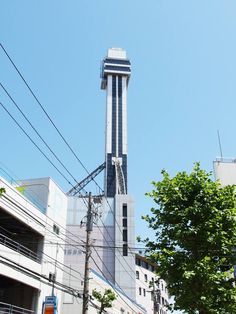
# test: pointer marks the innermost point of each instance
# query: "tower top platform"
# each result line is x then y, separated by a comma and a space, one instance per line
116, 53
116, 63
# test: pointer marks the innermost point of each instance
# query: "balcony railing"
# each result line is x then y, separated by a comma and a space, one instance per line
18, 248
6, 308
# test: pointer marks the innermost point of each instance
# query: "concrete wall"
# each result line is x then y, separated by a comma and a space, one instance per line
123, 304
42, 220
225, 171
125, 265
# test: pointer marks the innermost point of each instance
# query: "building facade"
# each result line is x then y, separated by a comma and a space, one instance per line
151, 291
32, 225
225, 170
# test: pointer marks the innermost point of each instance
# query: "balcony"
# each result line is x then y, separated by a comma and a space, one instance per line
6, 308
4, 240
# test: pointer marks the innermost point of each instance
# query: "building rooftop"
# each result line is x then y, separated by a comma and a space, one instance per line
116, 53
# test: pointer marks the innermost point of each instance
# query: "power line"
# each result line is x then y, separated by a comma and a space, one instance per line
58, 131
64, 265
38, 276
111, 276
50, 160
41, 106
32, 141
37, 132
63, 138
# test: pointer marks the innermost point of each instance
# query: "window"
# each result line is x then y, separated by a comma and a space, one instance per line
52, 277
125, 250
138, 262
124, 210
145, 265
125, 235
145, 277
56, 229
125, 222
140, 291
137, 274
144, 292
117, 61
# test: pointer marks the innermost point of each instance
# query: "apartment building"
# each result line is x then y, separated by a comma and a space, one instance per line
151, 291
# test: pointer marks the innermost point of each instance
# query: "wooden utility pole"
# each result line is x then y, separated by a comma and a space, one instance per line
89, 228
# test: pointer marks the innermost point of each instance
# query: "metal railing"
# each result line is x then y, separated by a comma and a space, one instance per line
6, 308
225, 159
30, 196
18, 248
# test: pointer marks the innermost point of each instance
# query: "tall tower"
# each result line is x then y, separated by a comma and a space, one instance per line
115, 73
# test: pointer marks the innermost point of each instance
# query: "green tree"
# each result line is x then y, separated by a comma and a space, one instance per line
105, 299
2, 190
195, 239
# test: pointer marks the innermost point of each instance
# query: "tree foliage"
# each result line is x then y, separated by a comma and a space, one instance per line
105, 299
2, 190
195, 239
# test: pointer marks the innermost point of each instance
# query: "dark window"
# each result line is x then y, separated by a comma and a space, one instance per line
137, 274
117, 68
124, 210
56, 229
125, 235
145, 278
140, 291
125, 222
125, 250
117, 61
138, 261
144, 292
52, 277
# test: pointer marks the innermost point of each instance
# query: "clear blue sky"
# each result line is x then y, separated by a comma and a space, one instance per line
181, 91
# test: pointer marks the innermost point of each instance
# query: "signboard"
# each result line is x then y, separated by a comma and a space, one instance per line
50, 305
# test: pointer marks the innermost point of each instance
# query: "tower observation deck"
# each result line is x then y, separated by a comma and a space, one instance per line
115, 74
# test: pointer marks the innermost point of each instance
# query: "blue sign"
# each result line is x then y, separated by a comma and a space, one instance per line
50, 305
51, 300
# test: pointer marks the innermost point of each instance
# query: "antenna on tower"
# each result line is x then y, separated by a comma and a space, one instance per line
221, 154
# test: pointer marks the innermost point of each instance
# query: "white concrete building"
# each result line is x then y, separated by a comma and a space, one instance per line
32, 228
122, 304
151, 291
225, 170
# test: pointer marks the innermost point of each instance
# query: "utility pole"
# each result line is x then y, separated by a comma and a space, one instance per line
89, 228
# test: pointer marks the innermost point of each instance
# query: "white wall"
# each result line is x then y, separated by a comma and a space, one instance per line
144, 290
225, 171
55, 203
73, 305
